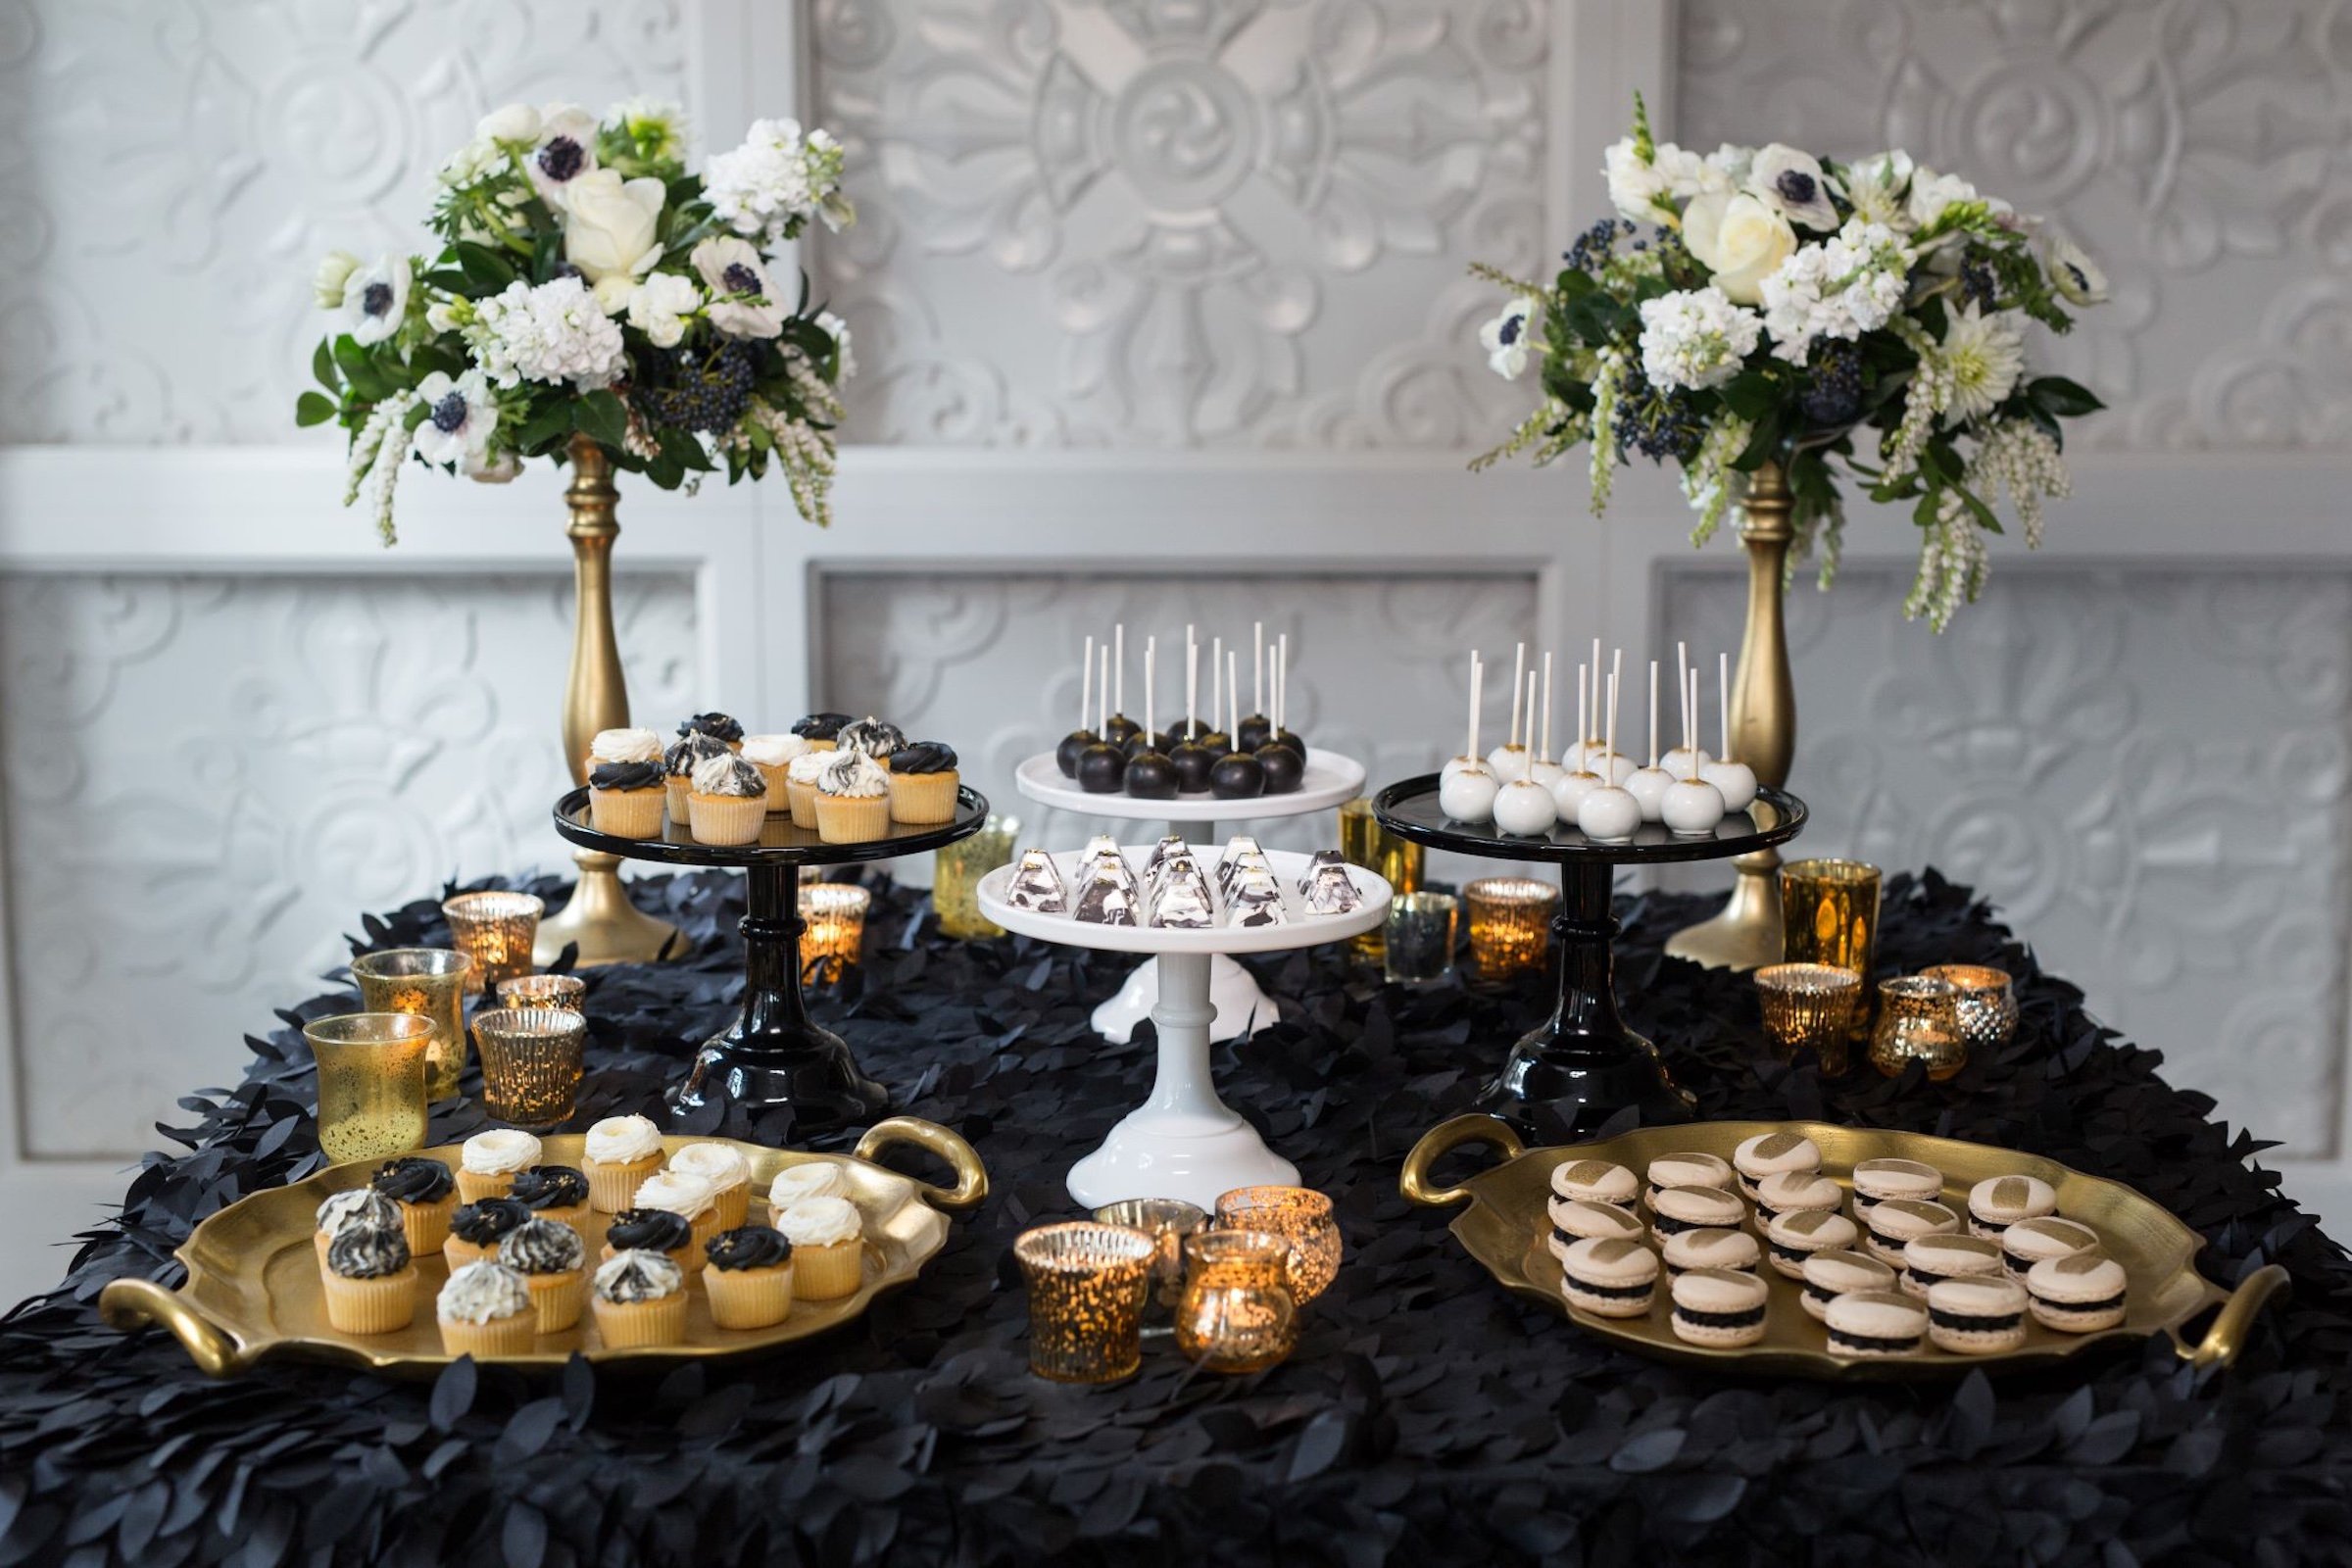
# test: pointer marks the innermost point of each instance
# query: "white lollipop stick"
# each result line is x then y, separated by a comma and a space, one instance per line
1257, 666
1086, 686
1102, 699
1216, 681
1723, 700
1692, 742
1610, 733
1233, 694
1531, 707
1192, 685
1583, 694
1653, 713
1545, 749
1119, 640
1150, 679
1282, 683
1518, 675
1616, 667
1477, 688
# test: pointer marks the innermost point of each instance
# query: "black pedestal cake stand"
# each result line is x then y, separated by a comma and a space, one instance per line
1584, 1065
772, 1055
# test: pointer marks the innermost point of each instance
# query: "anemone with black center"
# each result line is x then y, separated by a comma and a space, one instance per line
1797, 186
376, 299
561, 159
449, 415
740, 278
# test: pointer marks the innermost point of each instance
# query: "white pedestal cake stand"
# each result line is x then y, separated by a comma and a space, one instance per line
1234, 996
1184, 1142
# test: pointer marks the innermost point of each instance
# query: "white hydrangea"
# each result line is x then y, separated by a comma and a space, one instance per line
1696, 339
777, 177
555, 333
1849, 284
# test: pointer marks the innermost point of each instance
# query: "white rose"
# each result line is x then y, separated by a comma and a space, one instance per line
514, 122
729, 265
659, 308
1740, 240
334, 270
608, 231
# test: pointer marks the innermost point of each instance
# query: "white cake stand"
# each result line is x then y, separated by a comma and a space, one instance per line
1184, 1142
1329, 780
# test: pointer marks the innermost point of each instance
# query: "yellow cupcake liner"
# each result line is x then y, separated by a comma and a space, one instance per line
501, 1335
426, 1225
778, 802
628, 814
473, 1186
726, 818
922, 799
748, 1298
370, 1306
613, 1188
733, 1205
630, 1325
828, 1273
458, 1252
557, 1298
675, 787
852, 819
802, 798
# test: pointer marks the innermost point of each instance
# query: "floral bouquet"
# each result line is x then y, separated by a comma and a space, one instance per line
1761, 306
589, 284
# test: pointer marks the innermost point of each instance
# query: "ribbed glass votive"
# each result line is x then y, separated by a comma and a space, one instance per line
566, 990
1299, 1215
1235, 1313
497, 930
955, 873
533, 1059
1087, 1285
1809, 1007
429, 982
1511, 924
1919, 1020
1988, 1002
833, 920
371, 1101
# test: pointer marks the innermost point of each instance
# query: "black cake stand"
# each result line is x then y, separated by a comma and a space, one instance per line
1571, 1074
772, 1055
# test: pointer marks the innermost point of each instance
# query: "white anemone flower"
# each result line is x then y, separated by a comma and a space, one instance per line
459, 416
565, 150
1504, 340
2075, 276
729, 265
375, 298
1792, 183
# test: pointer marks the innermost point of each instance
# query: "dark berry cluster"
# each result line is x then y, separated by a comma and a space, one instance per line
695, 390
1657, 422
1832, 394
1596, 246
1978, 285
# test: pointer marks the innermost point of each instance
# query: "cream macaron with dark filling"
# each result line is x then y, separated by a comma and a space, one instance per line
2030, 1241
1712, 1247
1791, 1192
1982, 1316
1874, 1323
1595, 1181
2000, 1201
1930, 1261
1573, 1220
1609, 1278
1795, 1237
1830, 1275
1876, 1181
1895, 1223
1720, 1307
1693, 1209
2077, 1295
1771, 1154
1688, 1169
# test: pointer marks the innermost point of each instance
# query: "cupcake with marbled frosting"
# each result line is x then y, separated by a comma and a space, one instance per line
922, 784
872, 737
828, 1246
552, 1261
749, 1277
720, 727
488, 1161
485, 1309
618, 1152
369, 1280
639, 1300
357, 1205
625, 792
728, 801
678, 764
852, 799
771, 755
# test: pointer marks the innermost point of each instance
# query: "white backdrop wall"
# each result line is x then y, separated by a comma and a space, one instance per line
1162, 315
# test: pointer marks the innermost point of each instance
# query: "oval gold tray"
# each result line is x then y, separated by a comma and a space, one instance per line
1503, 1223
252, 1286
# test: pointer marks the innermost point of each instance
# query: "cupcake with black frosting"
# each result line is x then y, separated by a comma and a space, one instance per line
624, 783
476, 1229
852, 799
748, 1278
822, 731
727, 803
552, 1261
922, 783
720, 727
552, 1191
652, 1230
369, 1280
426, 1193
678, 764
640, 1299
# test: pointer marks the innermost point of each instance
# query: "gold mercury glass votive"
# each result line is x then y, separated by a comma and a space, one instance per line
371, 1101
429, 982
833, 920
497, 929
566, 990
1397, 860
1511, 924
533, 1059
1169, 1221
955, 873
1919, 1020
1235, 1313
1299, 1215
1809, 1007
1988, 1003
1087, 1284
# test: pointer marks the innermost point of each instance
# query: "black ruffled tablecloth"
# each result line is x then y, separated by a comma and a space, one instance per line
1427, 1417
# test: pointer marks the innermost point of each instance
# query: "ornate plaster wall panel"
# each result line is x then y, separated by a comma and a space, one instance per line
176, 166
2145, 768
1140, 222
206, 777
2194, 149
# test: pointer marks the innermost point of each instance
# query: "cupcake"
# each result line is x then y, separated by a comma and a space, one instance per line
1573, 1220
870, 737
828, 1247
748, 1278
1792, 1191
1878, 1180
1687, 1170
821, 731
623, 746
1712, 1247
357, 1205
727, 803
728, 1173
811, 1178
426, 1194
1830, 1275
476, 1229
689, 1197
922, 784
2030, 1241
799, 785
1690, 1208
853, 800
2077, 1295
1797, 1235
720, 727
369, 1280
1718, 1307
2000, 1201
1769, 1153
1977, 1316
677, 769
1895, 1223
485, 1309
624, 783
552, 1191
1874, 1323
1594, 1181
652, 1230
1930, 1261
552, 1261
639, 1300
1609, 1278
620, 1152
487, 1162
771, 755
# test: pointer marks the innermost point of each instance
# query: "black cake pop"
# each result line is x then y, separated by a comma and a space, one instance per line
1117, 728
1150, 776
1239, 775
1282, 766
1191, 760
1103, 766
1074, 744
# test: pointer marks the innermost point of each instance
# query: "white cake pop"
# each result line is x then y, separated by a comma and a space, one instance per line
1736, 782
1583, 755
1692, 806
1686, 758
1470, 758
1468, 795
1568, 790
1612, 765
1647, 785
1541, 768
1509, 759
1608, 813
1522, 805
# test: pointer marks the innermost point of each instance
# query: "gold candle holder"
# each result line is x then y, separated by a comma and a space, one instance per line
1087, 1284
565, 991
1988, 1002
496, 929
833, 929
1235, 1313
1169, 1221
1299, 1215
1809, 1007
955, 873
371, 1101
429, 982
533, 1059
1830, 914
1511, 924
1919, 1020
1398, 861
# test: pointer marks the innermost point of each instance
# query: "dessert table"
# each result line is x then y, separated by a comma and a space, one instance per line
1426, 1417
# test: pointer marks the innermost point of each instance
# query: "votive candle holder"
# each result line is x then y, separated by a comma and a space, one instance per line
955, 873
1086, 1286
565, 991
1809, 1007
1395, 859
832, 928
371, 1099
532, 1062
496, 929
1988, 1002
1417, 940
1299, 1215
1235, 1313
429, 982
1169, 1222
1511, 924
1919, 1020
1829, 913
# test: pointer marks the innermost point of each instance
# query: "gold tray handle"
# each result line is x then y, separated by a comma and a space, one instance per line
2227, 1336
1443, 1139
131, 1304
971, 1177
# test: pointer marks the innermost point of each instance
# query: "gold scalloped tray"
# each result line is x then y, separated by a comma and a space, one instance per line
1503, 1223
252, 1289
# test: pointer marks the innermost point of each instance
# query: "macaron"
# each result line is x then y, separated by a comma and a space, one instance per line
1691, 1209
1573, 1220
1595, 1181
1768, 1153
1688, 1170
1894, 1223
1874, 1323
2030, 1241
1830, 1275
1718, 1307
1878, 1180
1712, 1247
1796, 1236
1982, 1316
1609, 1277
1930, 1261
2077, 1295
2000, 1201
1789, 1191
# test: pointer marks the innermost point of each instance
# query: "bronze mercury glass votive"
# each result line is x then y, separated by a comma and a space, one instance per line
566, 990
1087, 1285
1169, 1221
833, 929
533, 1059
1299, 1215
1511, 924
1988, 1001
371, 1101
429, 982
1919, 1020
496, 929
955, 873
1809, 1007
1235, 1313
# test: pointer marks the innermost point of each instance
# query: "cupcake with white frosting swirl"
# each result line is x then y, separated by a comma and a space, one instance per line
727, 803
728, 1173
485, 1309
625, 790
487, 1162
828, 1247
618, 1153
771, 755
